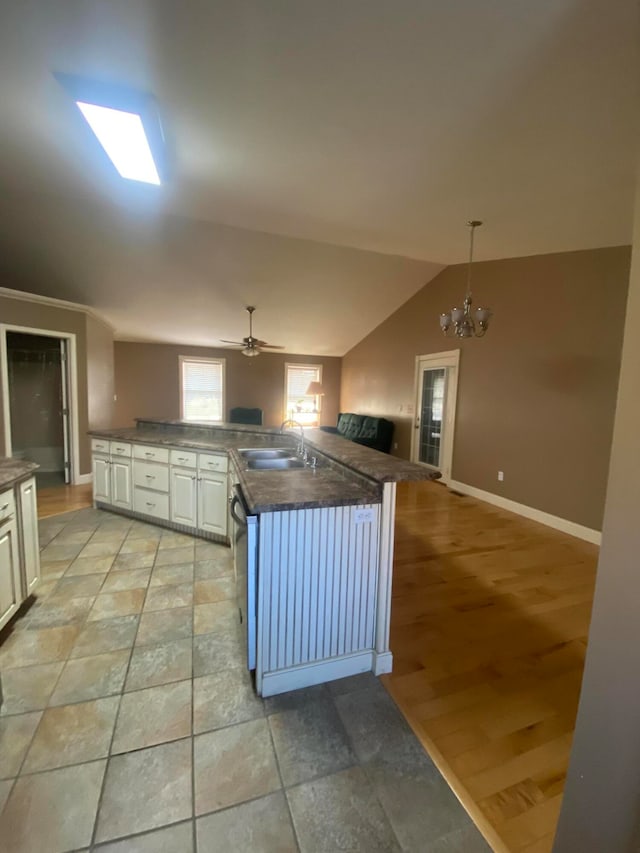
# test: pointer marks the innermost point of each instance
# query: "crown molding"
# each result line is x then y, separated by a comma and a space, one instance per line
22, 296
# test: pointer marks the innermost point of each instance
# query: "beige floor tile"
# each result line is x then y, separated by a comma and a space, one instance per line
73, 536
120, 581
5, 790
79, 586
24, 648
169, 539
54, 568
177, 838
15, 737
162, 626
91, 678
52, 811
162, 575
111, 604
28, 688
165, 597
55, 552
55, 612
72, 734
105, 548
263, 825
233, 765
108, 537
146, 789
142, 530
89, 565
224, 699
218, 589
136, 546
220, 650
153, 665
126, 562
207, 569
174, 556
154, 715
219, 616
105, 635
212, 551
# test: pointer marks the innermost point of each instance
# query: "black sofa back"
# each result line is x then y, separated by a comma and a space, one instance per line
364, 429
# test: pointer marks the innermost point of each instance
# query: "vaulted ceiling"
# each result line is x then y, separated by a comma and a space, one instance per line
325, 155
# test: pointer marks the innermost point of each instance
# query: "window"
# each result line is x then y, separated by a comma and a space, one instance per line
299, 405
201, 389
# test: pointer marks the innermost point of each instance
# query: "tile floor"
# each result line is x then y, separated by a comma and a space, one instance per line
129, 723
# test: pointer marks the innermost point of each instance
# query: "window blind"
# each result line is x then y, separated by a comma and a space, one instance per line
301, 406
202, 389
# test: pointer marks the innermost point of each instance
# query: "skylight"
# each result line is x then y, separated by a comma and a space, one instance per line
123, 137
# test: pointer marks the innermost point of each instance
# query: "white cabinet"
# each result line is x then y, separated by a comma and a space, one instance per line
121, 483
30, 539
10, 592
184, 508
101, 479
175, 485
19, 549
212, 503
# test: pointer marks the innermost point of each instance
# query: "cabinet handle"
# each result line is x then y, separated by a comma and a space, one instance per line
194, 477
3, 507
183, 458
147, 453
150, 476
149, 503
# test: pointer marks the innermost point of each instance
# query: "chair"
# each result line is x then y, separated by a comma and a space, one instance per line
241, 415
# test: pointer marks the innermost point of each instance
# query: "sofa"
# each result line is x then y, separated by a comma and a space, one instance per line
364, 429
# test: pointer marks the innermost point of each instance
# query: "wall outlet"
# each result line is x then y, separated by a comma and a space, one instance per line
363, 516
395, 445
501, 476
115, 398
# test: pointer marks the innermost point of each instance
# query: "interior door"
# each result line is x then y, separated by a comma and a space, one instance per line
436, 389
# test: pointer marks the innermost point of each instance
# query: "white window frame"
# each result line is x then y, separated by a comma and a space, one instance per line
191, 358
295, 365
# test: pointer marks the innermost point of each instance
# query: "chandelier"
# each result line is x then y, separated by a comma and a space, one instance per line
467, 322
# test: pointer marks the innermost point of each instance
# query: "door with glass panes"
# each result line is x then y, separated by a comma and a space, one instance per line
435, 402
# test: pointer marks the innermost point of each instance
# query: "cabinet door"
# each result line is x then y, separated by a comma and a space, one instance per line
10, 592
212, 504
121, 483
101, 480
30, 540
183, 497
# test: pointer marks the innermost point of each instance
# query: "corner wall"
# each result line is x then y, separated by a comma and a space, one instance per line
536, 396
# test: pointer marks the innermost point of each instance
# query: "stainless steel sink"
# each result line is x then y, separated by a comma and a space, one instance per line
265, 452
274, 463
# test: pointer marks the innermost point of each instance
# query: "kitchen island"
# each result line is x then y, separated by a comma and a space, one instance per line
320, 602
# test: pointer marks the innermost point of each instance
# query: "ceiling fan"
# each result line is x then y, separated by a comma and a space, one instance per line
251, 346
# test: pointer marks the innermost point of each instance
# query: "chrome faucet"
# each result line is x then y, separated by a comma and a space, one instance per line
291, 422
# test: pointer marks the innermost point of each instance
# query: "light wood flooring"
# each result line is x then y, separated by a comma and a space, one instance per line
489, 629
58, 499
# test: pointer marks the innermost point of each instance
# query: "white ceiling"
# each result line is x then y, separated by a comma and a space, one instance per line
371, 124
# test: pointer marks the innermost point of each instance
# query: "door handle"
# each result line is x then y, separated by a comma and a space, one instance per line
242, 521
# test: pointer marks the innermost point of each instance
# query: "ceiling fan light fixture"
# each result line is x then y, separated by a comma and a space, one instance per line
250, 352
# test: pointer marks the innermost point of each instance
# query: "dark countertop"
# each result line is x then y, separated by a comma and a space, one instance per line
12, 471
348, 473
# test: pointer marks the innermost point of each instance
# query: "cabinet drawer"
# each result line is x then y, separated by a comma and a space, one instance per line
7, 505
151, 503
99, 445
183, 458
153, 454
151, 475
211, 462
120, 448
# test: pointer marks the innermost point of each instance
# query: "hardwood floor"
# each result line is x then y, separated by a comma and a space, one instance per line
53, 501
489, 629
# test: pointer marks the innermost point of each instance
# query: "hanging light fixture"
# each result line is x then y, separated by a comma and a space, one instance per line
467, 322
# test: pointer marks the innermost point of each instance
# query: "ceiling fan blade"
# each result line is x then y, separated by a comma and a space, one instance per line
237, 343
269, 346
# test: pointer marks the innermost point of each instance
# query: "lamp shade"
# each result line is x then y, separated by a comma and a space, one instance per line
314, 389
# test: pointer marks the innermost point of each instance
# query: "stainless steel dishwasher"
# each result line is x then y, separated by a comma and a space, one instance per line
245, 550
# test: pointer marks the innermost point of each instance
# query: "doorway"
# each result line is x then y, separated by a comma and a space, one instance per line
36, 404
436, 388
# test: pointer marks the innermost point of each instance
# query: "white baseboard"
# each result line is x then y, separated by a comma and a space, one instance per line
305, 675
382, 662
570, 527
83, 480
